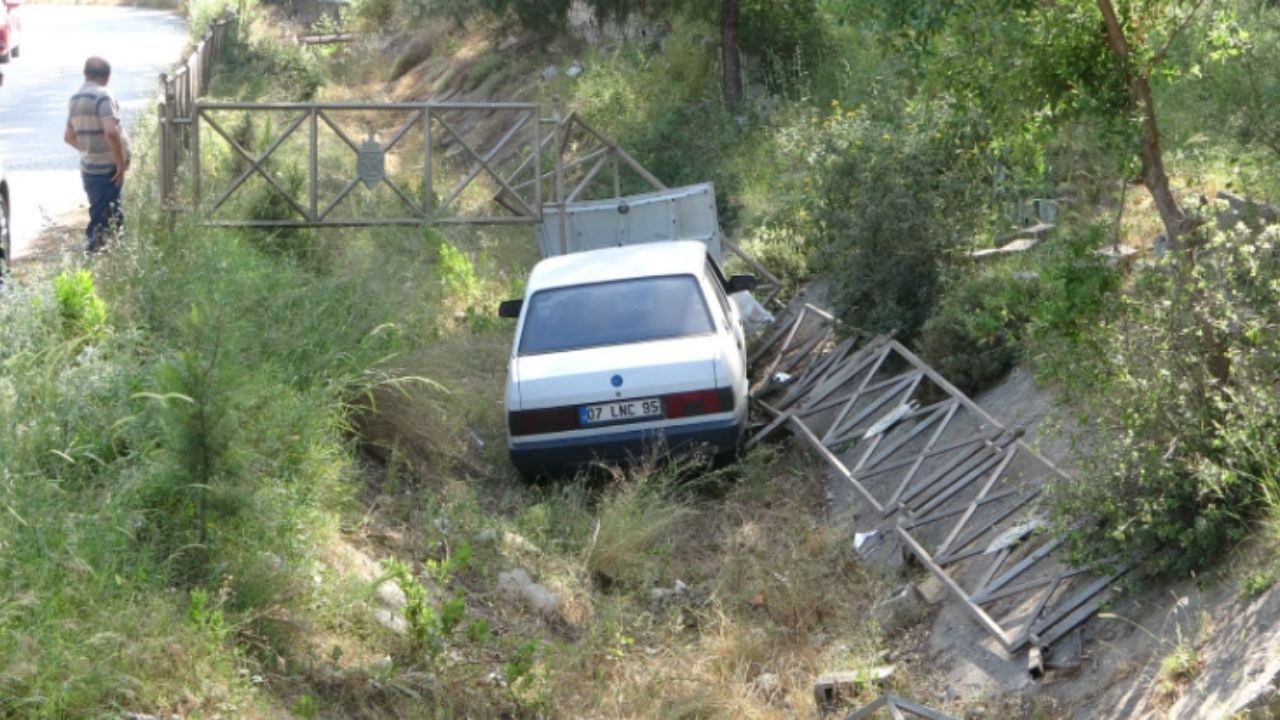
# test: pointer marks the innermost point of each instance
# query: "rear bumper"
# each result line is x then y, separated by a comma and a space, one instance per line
713, 438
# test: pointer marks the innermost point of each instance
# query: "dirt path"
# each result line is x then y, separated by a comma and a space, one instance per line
62, 238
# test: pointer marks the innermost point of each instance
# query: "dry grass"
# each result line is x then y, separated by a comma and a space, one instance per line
774, 599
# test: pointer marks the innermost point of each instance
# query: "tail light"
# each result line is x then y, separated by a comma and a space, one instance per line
550, 420
700, 402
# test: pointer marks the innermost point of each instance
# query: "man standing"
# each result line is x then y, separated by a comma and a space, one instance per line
94, 128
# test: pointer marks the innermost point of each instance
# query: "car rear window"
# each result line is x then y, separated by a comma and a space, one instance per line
614, 313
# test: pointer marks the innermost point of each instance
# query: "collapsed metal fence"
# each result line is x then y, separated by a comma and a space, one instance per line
959, 492
584, 158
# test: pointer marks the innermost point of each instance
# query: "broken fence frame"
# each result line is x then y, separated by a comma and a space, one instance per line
961, 486
897, 708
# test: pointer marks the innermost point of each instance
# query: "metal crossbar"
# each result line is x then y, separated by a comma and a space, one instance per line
960, 491
896, 708
430, 122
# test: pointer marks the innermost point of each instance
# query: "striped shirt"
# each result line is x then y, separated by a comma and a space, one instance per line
91, 103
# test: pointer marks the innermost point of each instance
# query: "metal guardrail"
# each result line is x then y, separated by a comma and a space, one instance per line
179, 93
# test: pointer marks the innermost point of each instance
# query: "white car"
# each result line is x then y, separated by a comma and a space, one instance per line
620, 349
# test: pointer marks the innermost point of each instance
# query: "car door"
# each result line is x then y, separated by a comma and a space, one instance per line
732, 324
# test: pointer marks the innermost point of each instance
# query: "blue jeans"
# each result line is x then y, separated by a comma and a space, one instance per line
105, 212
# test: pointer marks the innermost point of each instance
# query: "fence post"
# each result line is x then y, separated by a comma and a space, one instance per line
561, 131
195, 160
167, 169
168, 152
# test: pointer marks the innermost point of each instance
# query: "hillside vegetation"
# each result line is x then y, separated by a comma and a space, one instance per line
262, 474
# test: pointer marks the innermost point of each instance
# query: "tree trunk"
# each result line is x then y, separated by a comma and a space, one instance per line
1154, 177
729, 12
1176, 222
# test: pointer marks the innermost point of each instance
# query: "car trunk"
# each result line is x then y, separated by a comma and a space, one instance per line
577, 377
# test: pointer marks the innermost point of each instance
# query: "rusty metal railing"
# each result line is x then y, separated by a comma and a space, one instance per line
179, 94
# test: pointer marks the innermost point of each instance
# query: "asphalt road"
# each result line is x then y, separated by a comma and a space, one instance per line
44, 176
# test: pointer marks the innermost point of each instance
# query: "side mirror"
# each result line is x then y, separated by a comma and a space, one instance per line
510, 308
738, 283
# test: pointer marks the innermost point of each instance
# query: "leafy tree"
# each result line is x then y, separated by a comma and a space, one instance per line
1033, 62
730, 15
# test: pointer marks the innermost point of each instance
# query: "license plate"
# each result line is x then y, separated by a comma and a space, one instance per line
620, 411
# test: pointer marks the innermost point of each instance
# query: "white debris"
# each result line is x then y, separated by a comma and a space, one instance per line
392, 621
391, 595
892, 418
574, 70
517, 585
551, 73
861, 539
781, 378
1014, 535
754, 315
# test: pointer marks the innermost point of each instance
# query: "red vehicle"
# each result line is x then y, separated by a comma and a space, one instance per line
10, 30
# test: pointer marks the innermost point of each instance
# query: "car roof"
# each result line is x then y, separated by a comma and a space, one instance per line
678, 257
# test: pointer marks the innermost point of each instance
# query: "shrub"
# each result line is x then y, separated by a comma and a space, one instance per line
1077, 288
973, 338
83, 312
1183, 412
267, 70
1077, 283
898, 196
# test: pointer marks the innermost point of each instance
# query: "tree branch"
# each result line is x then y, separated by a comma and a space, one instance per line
1155, 59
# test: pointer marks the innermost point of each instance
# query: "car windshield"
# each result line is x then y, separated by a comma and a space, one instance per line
614, 313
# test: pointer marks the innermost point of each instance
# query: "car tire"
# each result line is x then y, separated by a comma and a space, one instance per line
15, 52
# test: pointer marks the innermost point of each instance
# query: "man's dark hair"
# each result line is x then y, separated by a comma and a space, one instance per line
95, 68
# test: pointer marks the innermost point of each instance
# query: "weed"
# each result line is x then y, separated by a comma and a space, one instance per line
1177, 669
204, 617
83, 312
457, 273
520, 664
638, 520
478, 631
520, 673
1255, 583
429, 629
